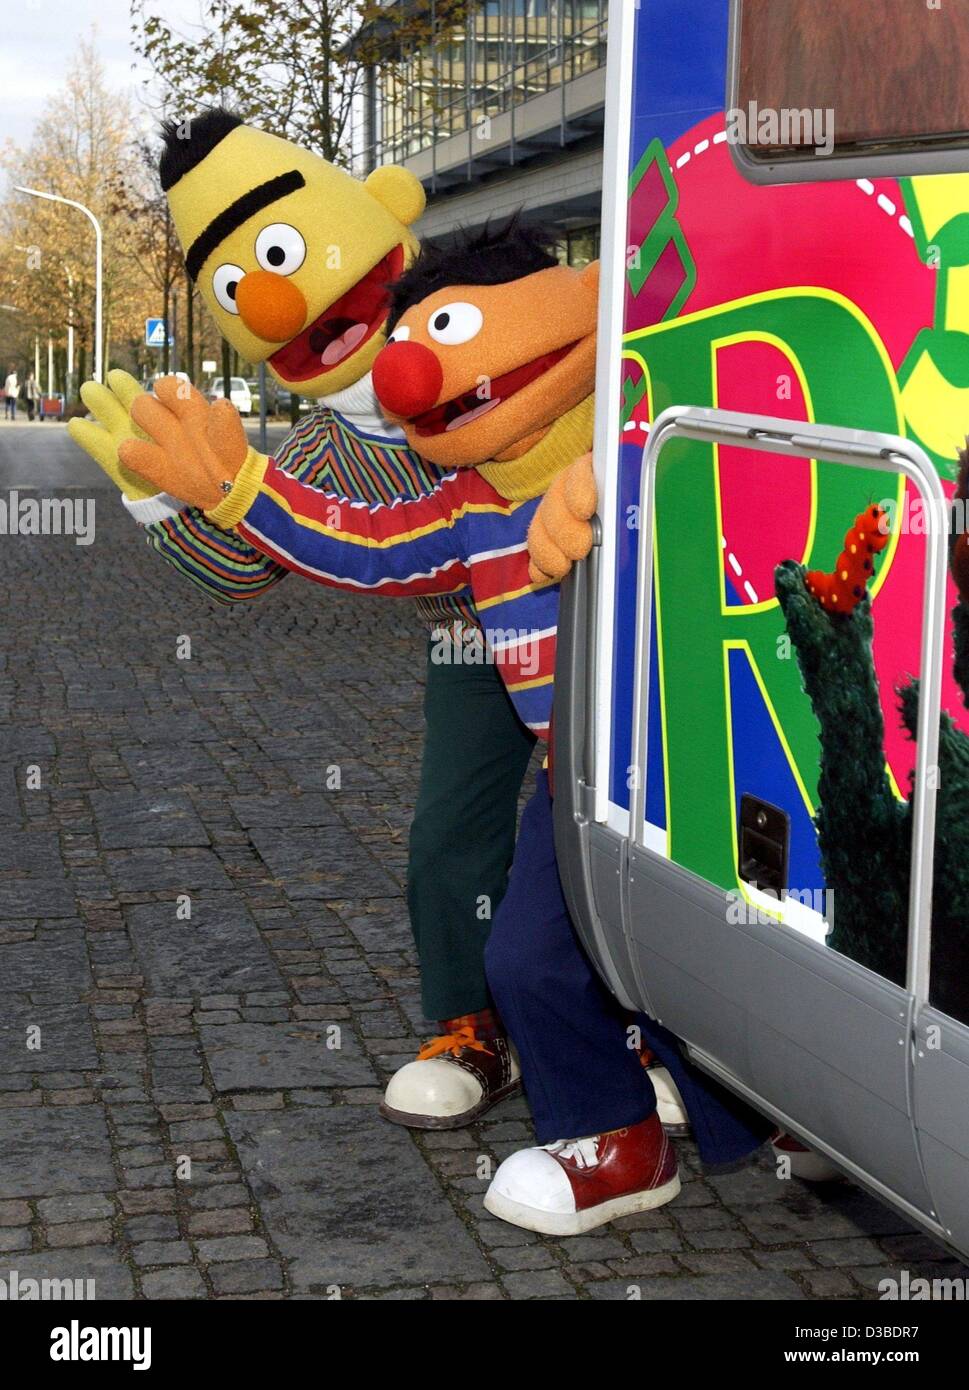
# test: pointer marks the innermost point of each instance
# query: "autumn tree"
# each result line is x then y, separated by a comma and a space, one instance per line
152, 244
82, 149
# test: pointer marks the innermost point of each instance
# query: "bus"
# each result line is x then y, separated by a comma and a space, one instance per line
784, 347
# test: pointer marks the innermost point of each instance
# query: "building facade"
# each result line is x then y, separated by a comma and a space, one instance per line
495, 105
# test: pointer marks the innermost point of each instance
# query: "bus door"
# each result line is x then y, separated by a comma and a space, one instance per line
942, 1023
942, 1116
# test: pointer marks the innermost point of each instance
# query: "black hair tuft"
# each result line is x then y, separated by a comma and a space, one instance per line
186, 143
492, 255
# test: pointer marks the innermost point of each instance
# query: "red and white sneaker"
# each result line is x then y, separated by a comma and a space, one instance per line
804, 1163
574, 1185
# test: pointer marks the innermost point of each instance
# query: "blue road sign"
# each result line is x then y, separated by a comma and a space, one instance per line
155, 333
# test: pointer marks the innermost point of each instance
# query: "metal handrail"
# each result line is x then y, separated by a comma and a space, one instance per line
861, 449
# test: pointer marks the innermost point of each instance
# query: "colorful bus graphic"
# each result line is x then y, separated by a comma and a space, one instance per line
844, 301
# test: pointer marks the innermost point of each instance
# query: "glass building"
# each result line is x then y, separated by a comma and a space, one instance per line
494, 104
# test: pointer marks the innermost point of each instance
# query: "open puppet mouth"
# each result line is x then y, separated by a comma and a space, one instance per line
342, 328
451, 415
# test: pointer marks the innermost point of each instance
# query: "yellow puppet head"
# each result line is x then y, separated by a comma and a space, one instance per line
291, 254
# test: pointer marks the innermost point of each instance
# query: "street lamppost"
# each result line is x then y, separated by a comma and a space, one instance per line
68, 382
69, 202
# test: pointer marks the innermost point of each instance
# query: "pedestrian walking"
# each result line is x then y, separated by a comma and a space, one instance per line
11, 386
31, 393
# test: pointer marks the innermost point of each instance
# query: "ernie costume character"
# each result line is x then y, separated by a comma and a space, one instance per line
490, 369
292, 257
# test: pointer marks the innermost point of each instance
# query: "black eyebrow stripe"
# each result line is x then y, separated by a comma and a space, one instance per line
236, 213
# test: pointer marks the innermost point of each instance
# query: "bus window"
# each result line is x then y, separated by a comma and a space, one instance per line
777, 760
829, 85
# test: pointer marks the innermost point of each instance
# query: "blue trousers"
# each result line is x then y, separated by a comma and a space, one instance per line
580, 1074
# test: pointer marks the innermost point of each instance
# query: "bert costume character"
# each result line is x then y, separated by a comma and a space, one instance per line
490, 368
292, 257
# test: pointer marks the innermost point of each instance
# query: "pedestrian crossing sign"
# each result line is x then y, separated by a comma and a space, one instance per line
155, 332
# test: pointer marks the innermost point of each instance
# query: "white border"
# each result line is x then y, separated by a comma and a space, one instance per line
612, 291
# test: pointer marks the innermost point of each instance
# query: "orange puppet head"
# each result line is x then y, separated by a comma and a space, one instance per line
490, 342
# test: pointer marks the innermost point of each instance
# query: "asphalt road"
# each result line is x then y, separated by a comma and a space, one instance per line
44, 456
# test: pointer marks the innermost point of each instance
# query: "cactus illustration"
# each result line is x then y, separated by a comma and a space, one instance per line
864, 831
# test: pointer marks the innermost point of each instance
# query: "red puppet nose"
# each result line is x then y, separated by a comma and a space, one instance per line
407, 378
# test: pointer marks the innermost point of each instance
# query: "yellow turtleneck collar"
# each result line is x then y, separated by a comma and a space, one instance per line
529, 476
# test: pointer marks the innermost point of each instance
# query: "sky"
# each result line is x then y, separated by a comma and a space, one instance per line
39, 41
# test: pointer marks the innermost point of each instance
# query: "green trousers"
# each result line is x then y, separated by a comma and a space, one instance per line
462, 840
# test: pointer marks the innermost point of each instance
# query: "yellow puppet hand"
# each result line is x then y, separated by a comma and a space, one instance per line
561, 529
111, 407
193, 450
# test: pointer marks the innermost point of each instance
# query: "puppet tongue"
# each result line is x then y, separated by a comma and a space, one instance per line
470, 415
343, 345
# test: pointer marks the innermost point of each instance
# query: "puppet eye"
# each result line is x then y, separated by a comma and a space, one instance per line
281, 248
225, 282
400, 334
455, 323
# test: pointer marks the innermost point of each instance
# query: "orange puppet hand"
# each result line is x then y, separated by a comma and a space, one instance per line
194, 450
561, 529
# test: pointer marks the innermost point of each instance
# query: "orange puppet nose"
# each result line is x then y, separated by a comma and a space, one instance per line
270, 306
407, 378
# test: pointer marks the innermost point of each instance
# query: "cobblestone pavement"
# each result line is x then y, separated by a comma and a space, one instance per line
132, 782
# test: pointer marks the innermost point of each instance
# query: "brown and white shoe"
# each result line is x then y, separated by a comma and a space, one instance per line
456, 1078
574, 1185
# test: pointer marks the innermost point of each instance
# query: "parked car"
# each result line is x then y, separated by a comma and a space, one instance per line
239, 393
277, 398
284, 398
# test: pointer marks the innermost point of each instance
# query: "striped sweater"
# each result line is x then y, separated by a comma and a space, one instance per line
463, 535
328, 452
